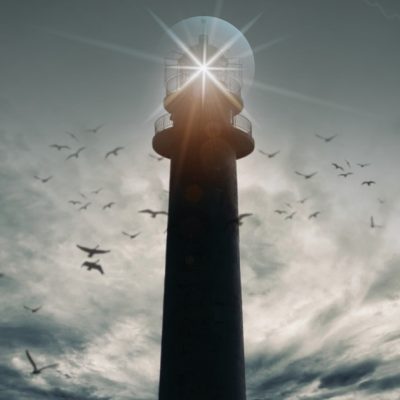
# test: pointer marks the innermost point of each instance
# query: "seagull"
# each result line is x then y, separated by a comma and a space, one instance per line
37, 370
288, 205
114, 151
43, 180
75, 202
306, 176
239, 219
93, 265
92, 251
130, 236
153, 213
76, 154
327, 139
291, 215
337, 166
60, 146
85, 206
373, 225
70, 134
94, 130
345, 174
108, 205
97, 191
33, 310
348, 164
363, 165
368, 183
280, 212
156, 157
270, 155
82, 195
303, 200
314, 214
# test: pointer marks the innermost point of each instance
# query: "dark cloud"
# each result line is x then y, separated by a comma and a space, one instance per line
348, 374
381, 385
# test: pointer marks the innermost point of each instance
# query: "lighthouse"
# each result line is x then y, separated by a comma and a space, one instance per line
203, 134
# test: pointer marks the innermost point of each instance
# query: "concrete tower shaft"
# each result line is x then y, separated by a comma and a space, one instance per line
202, 354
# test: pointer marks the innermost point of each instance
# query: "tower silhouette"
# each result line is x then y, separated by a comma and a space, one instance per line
203, 134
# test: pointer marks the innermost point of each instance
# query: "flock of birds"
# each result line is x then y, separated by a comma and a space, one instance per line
287, 213
344, 172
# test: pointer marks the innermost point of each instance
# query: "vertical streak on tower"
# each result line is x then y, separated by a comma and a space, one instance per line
202, 353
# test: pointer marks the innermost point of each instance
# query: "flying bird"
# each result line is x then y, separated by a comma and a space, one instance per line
280, 212
326, 139
74, 202
93, 265
270, 155
314, 214
70, 134
306, 176
97, 191
108, 205
131, 236
239, 219
348, 164
156, 157
114, 151
381, 201
33, 310
303, 200
94, 130
337, 166
92, 251
345, 174
85, 206
363, 165
60, 146
373, 225
153, 213
76, 154
368, 183
290, 216
43, 180
37, 370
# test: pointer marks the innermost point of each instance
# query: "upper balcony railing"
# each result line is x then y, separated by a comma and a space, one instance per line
238, 121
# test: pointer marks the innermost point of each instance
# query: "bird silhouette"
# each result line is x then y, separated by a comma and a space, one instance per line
97, 191
153, 213
303, 200
373, 225
363, 165
368, 183
346, 174
291, 215
60, 146
348, 164
381, 201
114, 151
131, 236
108, 205
239, 219
76, 154
93, 265
306, 176
92, 251
270, 155
95, 129
74, 202
70, 134
280, 212
337, 166
314, 214
326, 139
85, 206
43, 180
156, 157
37, 370
32, 310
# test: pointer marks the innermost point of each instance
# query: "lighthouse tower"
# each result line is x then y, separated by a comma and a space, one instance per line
203, 134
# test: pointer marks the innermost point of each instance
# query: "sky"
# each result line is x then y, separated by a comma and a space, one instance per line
321, 296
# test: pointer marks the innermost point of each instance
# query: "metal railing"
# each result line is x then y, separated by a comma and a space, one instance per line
238, 121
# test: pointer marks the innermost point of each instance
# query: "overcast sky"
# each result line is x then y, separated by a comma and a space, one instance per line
321, 296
